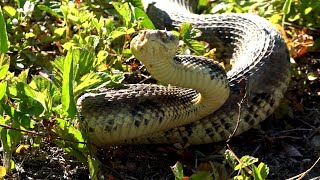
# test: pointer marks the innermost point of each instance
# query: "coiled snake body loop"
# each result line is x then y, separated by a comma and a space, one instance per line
206, 107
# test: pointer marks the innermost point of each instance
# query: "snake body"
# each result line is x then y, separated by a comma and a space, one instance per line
202, 104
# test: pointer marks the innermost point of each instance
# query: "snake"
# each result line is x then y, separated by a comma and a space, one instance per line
196, 101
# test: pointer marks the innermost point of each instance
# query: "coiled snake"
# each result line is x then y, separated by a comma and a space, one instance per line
202, 103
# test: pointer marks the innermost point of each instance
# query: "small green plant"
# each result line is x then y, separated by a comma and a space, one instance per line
245, 167
242, 169
177, 170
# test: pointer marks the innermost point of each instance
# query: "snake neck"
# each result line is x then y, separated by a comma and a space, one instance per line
205, 76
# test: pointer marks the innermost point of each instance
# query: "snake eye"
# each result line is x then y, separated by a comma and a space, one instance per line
164, 38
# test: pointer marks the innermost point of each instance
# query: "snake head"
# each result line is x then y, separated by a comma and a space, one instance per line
152, 45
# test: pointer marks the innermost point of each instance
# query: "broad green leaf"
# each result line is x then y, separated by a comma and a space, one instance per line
230, 158
59, 31
31, 101
67, 98
256, 173
69, 132
140, 15
49, 93
125, 12
4, 44
10, 138
185, 30
136, 3
10, 11
26, 122
276, 18
177, 170
64, 10
23, 76
203, 3
246, 161
58, 64
14, 134
116, 34
307, 10
58, 71
68, 45
260, 172
101, 56
117, 77
73, 142
49, 10
287, 6
294, 18
5, 139
94, 164
188, 32
3, 71
73, 18
87, 81
92, 40
3, 89
84, 63
195, 45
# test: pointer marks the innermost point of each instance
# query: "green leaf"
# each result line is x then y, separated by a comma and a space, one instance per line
23, 76
94, 164
10, 11
185, 30
49, 10
3, 89
73, 140
3, 71
260, 172
9, 137
136, 3
195, 45
116, 34
125, 12
5, 139
87, 81
67, 98
59, 31
92, 40
86, 62
101, 56
69, 132
141, 16
287, 6
177, 170
246, 161
256, 173
29, 100
307, 10
73, 18
230, 158
4, 44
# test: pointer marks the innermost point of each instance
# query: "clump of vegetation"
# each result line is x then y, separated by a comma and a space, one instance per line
54, 51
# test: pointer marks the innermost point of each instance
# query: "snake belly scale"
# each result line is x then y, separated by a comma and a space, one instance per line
201, 104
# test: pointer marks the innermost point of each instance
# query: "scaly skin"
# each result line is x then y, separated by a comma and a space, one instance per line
259, 78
